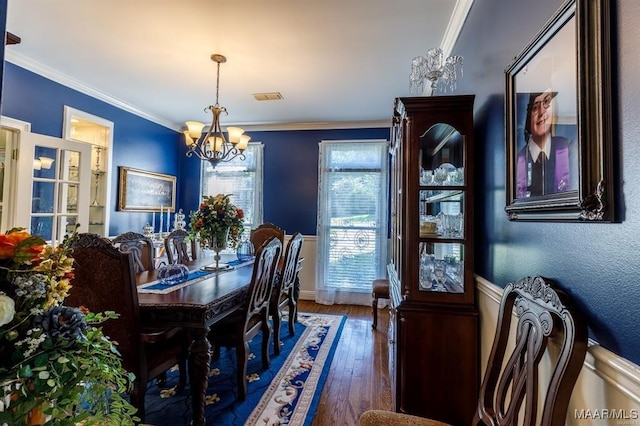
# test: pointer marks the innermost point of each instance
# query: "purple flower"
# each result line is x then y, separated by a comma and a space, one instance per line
64, 325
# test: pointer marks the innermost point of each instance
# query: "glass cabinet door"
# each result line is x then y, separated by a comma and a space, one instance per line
441, 208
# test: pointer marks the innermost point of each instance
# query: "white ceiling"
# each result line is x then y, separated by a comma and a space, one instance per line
333, 61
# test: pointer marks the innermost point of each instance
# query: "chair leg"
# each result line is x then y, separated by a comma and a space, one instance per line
266, 333
293, 314
277, 320
242, 357
374, 305
137, 396
162, 379
182, 375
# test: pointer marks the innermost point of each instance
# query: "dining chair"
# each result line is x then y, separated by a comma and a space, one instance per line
283, 293
238, 328
264, 232
512, 392
140, 246
104, 280
176, 247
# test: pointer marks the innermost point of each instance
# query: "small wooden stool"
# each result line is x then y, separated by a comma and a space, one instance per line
380, 291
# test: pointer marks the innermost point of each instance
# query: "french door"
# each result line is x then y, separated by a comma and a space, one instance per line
53, 186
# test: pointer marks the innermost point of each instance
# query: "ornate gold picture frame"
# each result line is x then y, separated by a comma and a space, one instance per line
145, 191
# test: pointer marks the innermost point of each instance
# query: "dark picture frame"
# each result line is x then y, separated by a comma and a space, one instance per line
558, 96
145, 191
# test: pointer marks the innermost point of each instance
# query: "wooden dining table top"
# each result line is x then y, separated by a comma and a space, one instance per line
199, 304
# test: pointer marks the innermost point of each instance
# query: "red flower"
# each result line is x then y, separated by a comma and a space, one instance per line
20, 246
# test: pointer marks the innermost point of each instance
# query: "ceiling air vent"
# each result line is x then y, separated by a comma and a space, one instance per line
271, 96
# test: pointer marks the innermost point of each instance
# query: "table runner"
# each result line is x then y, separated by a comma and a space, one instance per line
195, 276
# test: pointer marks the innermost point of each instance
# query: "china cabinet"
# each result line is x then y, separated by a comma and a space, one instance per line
98, 133
433, 333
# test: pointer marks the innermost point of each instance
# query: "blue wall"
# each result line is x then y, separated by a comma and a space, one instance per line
595, 263
3, 27
137, 142
290, 174
290, 157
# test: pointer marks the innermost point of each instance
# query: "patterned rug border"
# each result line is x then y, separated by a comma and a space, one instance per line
309, 397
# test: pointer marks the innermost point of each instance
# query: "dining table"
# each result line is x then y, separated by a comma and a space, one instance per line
195, 305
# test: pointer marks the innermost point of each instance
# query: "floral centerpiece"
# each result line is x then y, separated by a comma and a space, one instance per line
56, 366
217, 222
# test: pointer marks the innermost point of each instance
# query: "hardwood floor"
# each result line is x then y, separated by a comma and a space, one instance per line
358, 378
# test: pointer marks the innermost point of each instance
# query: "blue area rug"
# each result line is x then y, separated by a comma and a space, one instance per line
286, 393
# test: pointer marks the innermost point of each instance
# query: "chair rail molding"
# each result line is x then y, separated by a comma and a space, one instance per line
607, 380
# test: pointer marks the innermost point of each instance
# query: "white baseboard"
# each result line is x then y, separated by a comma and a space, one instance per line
307, 295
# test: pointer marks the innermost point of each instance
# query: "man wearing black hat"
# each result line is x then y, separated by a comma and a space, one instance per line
543, 163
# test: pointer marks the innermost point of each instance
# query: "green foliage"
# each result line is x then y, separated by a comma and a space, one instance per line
54, 358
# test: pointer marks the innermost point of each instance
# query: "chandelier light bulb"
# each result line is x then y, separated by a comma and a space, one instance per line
244, 141
195, 129
234, 134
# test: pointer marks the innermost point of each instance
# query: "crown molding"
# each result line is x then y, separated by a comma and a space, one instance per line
257, 127
68, 81
65, 80
459, 15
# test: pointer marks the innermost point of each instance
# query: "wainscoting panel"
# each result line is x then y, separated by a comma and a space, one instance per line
308, 273
608, 389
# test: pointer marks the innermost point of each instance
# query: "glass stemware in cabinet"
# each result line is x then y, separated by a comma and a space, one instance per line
426, 177
426, 270
452, 224
439, 275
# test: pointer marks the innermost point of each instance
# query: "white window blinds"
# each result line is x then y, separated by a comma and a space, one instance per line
242, 179
352, 220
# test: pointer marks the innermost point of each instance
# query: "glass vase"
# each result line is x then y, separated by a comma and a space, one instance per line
245, 250
219, 243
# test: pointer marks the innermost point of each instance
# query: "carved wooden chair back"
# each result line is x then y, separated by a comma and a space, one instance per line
237, 329
263, 233
140, 246
284, 294
177, 248
511, 385
104, 280
256, 307
544, 313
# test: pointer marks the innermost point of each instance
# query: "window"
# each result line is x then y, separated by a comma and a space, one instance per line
352, 220
243, 180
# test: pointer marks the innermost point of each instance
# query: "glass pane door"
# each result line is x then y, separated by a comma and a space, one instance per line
54, 186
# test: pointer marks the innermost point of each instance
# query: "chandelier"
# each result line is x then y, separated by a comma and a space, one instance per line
214, 146
441, 73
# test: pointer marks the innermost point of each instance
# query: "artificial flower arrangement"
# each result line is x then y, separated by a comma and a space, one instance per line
217, 218
56, 365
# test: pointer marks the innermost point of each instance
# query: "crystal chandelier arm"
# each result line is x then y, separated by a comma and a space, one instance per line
435, 68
